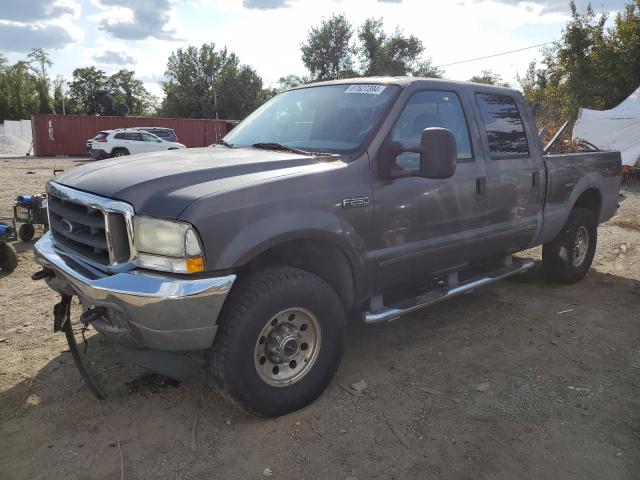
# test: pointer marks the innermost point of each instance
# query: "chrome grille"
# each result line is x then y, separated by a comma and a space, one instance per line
97, 228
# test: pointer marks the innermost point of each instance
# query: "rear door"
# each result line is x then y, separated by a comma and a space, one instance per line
126, 140
135, 143
514, 173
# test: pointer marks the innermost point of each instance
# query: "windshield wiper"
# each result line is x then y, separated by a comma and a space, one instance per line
225, 143
280, 146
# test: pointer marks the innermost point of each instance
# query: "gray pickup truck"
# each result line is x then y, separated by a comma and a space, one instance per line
369, 198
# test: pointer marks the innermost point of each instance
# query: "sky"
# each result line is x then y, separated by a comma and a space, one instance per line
266, 34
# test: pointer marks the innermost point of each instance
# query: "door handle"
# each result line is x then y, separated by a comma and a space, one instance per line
535, 180
481, 186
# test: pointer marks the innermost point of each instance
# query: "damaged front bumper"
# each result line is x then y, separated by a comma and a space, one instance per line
145, 309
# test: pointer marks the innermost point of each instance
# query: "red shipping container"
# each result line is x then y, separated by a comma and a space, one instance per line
67, 134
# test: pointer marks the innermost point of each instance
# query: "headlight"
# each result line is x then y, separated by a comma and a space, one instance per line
167, 245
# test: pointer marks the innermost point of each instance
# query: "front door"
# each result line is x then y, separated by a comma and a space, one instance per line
424, 225
150, 143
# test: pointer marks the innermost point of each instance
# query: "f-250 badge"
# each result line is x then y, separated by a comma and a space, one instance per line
355, 202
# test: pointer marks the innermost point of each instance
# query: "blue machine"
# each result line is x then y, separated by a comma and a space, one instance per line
30, 211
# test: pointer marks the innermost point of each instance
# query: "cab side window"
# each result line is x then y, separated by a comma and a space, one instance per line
505, 130
430, 109
128, 136
146, 137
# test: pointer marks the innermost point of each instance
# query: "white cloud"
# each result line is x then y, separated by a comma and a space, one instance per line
143, 19
35, 10
109, 57
19, 37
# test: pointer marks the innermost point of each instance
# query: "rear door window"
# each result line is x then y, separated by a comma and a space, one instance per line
505, 130
128, 136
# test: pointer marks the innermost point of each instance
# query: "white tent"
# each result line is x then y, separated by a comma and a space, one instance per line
615, 129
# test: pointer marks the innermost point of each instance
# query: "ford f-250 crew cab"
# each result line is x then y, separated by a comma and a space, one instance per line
372, 197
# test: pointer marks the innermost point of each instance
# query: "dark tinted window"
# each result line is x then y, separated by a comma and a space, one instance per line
502, 121
430, 109
148, 137
128, 136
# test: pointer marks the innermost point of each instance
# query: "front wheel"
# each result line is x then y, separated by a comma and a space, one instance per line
280, 341
567, 258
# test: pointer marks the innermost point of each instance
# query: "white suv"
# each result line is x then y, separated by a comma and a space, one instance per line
127, 141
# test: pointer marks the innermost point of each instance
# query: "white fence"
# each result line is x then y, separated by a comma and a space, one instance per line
18, 128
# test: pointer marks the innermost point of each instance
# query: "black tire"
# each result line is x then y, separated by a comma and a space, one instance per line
26, 232
119, 152
560, 258
8, 257
252, 304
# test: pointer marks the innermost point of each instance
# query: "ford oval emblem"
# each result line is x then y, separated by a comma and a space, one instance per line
67, 226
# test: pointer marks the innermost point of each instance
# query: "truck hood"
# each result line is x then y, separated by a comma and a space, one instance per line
163, 184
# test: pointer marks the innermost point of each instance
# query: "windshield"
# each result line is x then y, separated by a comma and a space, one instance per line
332, 118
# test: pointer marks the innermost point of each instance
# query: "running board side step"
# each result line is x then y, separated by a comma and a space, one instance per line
387, 314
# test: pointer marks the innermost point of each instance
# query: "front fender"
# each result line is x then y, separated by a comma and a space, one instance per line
273, 230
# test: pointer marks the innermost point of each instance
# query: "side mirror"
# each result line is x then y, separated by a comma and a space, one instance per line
438, 153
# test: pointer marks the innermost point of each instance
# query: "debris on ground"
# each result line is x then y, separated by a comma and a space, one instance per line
430, 391
359, 386
267, 472
483, 387
398, 434
151, 382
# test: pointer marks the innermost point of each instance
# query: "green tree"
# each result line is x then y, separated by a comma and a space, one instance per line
129, 94
590, 66
88, 92
4, 88
20, 90
291, 81
395, 55
327, 53
205, 82
426, 68
489, 77
624, 41
39, 62
58, 85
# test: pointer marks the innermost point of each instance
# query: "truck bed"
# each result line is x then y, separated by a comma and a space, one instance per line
569, 176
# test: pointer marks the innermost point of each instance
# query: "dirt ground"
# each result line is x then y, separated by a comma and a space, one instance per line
521, 380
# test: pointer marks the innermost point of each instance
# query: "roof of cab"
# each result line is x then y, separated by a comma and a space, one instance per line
406, 81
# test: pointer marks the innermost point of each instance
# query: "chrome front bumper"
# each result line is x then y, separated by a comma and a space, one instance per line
146, 309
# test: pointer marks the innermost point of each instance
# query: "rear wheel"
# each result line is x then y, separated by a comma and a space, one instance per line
280, 341
567, 258
8, 257
119, 152
26, 232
